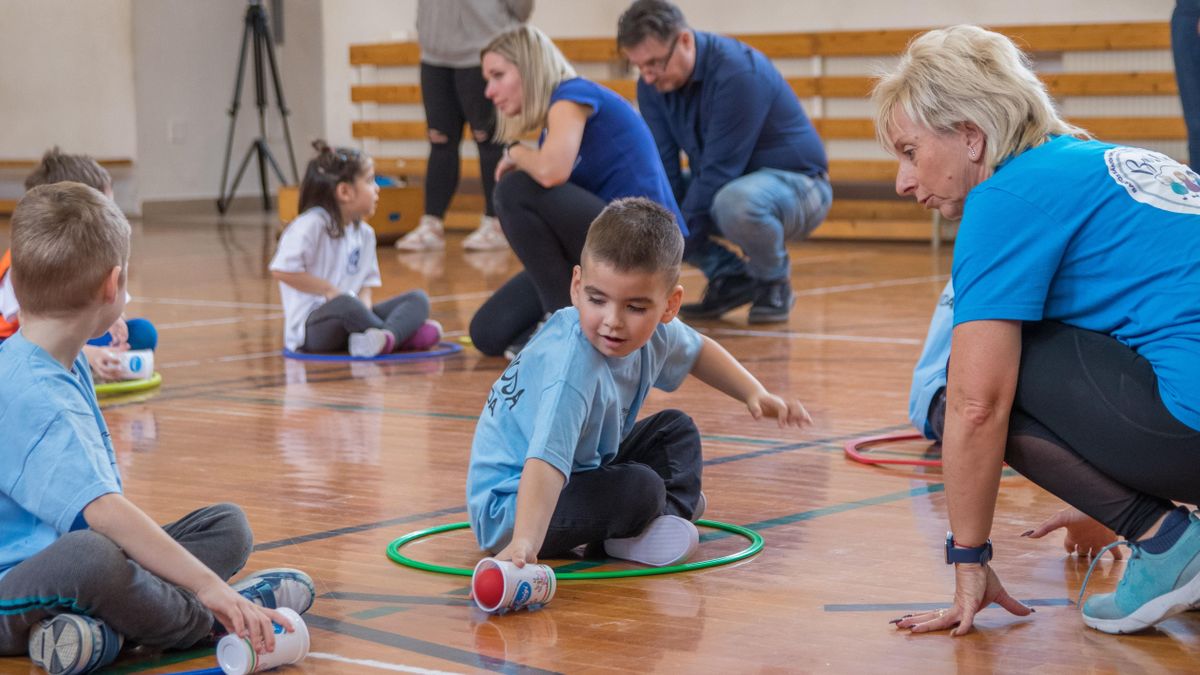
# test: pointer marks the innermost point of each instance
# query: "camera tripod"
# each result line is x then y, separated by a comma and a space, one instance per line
256, 36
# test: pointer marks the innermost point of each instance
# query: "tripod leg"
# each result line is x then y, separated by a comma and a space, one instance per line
263, 153
222, 199
283, 109
238, 177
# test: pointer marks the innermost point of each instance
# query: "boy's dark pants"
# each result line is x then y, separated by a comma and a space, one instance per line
84, 572
656, 472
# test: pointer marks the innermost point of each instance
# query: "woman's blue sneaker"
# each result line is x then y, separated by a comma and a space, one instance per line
1155, 586
279, 587
68, 644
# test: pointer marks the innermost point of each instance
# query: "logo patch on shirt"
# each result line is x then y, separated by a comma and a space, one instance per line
352, 261
1155, 179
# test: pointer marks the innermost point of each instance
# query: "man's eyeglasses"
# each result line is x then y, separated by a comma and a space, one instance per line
660, 64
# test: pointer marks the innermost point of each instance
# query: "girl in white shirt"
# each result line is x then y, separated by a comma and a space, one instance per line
326, 267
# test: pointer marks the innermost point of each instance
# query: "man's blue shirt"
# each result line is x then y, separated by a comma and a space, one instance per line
735, 115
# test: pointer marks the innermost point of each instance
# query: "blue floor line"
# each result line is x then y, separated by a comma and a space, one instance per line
914, 607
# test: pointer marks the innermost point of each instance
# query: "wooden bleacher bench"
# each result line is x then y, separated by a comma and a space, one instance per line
862, 204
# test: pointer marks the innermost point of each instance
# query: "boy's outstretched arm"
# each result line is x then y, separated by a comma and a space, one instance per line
150, 546
718, 369
537, 496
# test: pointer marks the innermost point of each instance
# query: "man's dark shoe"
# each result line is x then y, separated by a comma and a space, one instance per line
773, 302
722, 295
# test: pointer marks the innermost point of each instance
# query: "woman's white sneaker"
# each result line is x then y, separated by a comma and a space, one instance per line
428, 236
489, 236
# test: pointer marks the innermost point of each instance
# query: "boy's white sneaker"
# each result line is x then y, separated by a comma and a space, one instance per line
667, 540
489, 236
68, 644
429, 235
372, 342
279, 587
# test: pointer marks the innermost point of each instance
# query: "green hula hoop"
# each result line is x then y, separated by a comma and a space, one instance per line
756, 545
128, 386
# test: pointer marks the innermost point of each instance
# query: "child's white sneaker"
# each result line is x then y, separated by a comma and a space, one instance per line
68, 644
667, 540
429, 235
489, 236
372, 342
279, 587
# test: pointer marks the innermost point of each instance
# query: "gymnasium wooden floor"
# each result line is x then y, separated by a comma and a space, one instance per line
331, 462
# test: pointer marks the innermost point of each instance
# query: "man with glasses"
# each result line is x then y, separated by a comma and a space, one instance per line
757, 169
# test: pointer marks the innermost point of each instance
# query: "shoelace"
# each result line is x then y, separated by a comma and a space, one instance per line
1137, 551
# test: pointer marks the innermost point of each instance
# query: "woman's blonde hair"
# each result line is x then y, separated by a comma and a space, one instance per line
967, 74
541, 66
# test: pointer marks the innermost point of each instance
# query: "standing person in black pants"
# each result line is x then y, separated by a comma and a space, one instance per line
1185, 47
593, 148
451, 33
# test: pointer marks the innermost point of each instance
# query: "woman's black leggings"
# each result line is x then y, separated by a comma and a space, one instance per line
453, 96
546, 228
1088, 425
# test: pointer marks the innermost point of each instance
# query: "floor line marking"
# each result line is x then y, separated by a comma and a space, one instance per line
796, 262
846, 288
913, 607
738, 332
220, 359
381, 665
229, 304
218, 322
444, 652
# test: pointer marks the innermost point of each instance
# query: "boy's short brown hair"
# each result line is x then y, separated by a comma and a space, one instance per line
57, 166
636, 234
66, 238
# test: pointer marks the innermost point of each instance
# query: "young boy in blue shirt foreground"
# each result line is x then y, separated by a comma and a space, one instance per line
82, 569
559, 459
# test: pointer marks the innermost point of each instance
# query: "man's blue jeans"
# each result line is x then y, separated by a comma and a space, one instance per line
760, 212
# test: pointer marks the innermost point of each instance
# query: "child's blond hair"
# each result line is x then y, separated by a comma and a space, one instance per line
66, 238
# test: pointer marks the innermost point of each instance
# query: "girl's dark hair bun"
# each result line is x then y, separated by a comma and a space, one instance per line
321, 146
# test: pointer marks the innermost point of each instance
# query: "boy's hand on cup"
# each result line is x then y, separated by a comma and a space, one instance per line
105, 363
120, 334
788, 412
243, 618
520, 552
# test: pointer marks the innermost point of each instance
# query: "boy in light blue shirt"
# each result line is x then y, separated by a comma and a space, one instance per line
81, 567
559, 459
927, 395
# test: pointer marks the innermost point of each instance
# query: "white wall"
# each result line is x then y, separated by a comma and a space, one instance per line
66, 78
185, 59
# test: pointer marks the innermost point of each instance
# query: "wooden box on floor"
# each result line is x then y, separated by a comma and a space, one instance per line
398, 211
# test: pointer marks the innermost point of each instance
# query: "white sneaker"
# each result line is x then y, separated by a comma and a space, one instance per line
372, 342
489, 236
667, 540
428, 236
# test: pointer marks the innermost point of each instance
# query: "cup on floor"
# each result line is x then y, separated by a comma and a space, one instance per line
137, 364
499, 586
236, 655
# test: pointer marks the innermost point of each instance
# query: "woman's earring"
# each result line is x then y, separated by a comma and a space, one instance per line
971, 153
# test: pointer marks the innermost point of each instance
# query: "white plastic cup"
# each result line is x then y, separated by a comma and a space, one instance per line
137, 364
527, 587
236, 655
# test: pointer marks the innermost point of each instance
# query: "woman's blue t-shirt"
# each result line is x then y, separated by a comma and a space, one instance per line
1097, 236
617, 156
